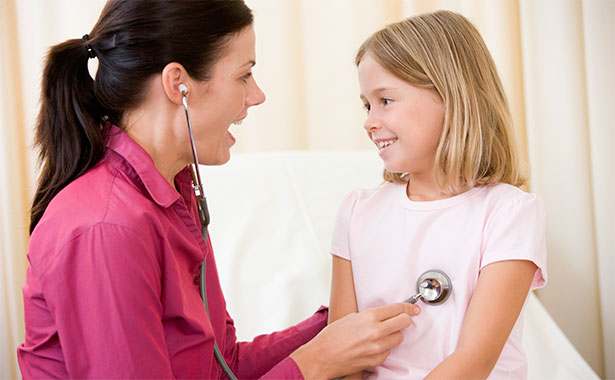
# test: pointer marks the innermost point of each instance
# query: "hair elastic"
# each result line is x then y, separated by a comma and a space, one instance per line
88, 48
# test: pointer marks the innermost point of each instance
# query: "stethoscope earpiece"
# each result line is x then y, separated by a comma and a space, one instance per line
183, 89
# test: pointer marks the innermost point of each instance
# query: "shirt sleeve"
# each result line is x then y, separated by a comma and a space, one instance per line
516, 230
340, 244
287, 369
266, 356
103, 290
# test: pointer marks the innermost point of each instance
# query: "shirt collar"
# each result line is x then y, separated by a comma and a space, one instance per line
144, 169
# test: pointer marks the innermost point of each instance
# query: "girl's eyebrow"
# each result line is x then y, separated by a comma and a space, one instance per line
377, 91
382, 89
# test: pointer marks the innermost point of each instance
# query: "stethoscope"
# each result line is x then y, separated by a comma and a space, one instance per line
433, 286
201, 204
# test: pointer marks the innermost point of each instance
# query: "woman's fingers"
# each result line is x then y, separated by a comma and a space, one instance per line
385, 344
396, 323
355, 342
386, 326
382, 313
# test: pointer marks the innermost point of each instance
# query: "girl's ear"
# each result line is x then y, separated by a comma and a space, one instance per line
175, 81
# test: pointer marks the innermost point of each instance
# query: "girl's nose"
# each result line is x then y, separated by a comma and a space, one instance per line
371, 123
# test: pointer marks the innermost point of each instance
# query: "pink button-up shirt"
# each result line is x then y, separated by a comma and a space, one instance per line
112, 285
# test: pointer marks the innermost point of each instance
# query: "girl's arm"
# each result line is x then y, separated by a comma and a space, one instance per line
494, 308
343, 298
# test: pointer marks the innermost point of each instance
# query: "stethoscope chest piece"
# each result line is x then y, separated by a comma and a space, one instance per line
433, 287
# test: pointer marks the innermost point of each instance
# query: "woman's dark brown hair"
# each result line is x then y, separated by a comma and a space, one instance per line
133, 40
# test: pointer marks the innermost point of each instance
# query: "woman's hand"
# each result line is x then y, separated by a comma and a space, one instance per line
355, 342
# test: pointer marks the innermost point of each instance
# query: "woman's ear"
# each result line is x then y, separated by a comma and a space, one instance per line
174, 75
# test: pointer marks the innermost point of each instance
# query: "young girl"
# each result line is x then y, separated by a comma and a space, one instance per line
437, 112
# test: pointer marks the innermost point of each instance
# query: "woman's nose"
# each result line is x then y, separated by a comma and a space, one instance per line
256, 95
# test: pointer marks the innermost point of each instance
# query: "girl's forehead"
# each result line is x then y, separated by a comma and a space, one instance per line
375, 78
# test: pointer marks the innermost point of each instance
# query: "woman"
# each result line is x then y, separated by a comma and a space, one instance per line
112, 287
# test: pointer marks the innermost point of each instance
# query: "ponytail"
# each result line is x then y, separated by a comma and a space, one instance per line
68, 131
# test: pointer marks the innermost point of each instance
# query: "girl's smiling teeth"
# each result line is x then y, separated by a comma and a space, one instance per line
381, 144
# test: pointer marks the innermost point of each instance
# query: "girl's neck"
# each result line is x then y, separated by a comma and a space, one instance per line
421, 188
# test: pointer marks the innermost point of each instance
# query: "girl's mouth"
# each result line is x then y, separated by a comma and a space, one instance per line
381, 144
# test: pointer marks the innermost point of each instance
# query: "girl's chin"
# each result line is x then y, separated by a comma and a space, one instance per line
393, 167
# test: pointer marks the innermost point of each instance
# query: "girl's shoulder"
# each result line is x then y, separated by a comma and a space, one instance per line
505, 204
500, 194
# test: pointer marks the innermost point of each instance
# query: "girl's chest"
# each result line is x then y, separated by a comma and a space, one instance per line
388, 256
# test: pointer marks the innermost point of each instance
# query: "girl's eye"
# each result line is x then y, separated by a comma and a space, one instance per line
367, 107
386, 101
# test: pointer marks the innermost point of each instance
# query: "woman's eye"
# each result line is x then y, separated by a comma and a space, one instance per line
246, 77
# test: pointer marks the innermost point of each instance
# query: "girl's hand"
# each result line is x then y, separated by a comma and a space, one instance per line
354, 342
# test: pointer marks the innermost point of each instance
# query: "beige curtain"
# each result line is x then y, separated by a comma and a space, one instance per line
568, 76
556, 59
15, 194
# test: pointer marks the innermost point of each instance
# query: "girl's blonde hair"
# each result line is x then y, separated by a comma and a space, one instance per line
443, 52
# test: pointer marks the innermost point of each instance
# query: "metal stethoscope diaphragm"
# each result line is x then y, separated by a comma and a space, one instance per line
433, 287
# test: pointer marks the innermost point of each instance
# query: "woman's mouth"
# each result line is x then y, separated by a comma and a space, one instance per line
239, 120
232, 138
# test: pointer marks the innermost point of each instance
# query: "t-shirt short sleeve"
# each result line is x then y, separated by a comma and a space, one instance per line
516, 230
340, 245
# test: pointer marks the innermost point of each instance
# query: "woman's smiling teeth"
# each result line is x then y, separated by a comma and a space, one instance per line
384, 143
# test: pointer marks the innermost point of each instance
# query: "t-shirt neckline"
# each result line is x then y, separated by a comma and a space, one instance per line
437, 204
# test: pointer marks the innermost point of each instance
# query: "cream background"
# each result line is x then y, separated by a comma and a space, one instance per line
556, 59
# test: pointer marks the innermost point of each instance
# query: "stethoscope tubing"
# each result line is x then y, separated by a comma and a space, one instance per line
201, 203
225, 367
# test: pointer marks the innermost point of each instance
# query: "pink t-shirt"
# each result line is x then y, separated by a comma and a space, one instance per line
392, 240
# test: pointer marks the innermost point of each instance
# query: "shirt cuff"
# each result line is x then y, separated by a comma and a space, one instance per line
309, 328
287, 369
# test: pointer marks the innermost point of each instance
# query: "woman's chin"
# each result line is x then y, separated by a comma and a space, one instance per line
221, 158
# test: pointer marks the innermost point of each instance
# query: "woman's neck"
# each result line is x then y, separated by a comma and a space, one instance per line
151, 126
